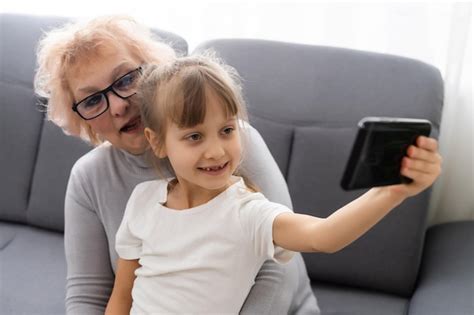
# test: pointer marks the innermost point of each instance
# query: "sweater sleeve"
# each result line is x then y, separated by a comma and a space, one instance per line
89, 274
261, 168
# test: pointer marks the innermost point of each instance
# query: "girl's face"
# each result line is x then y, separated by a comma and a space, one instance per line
120, 124
206, 155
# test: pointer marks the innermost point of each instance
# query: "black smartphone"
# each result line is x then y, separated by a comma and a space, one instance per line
378, 150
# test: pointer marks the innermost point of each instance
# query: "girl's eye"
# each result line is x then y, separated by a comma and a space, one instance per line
194, 137
228, 130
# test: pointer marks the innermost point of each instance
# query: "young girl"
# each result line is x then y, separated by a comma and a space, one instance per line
194, 243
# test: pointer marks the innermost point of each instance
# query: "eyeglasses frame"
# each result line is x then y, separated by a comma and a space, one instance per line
105, 92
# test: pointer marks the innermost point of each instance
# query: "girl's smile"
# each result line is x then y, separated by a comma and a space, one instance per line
215, 170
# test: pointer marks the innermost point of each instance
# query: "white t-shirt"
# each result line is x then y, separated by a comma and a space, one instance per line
201, 260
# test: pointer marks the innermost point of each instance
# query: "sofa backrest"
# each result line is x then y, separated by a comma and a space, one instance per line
36, 157
306, 102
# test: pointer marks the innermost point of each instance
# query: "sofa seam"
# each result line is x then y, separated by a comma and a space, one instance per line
303, 124
290, 155
33, 171
7, 243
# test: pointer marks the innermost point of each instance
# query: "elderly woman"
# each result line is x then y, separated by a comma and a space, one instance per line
87, 74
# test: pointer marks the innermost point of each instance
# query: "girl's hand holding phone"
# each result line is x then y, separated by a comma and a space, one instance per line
422, 164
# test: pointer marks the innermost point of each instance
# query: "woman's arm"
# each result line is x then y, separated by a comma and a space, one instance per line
282, 289
260, 167
89, 273
121, 299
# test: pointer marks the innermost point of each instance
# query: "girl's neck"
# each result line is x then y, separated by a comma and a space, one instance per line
183, 195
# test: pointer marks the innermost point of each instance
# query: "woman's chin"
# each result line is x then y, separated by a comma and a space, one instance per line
135, 146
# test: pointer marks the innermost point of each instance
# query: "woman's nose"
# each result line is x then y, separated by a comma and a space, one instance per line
118, 105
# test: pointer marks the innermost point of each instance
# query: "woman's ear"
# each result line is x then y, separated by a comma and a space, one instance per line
152, 139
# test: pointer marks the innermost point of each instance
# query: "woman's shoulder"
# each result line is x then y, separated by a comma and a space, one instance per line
94, 158
89, 172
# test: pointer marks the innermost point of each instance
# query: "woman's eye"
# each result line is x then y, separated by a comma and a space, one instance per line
93, 101
125, 82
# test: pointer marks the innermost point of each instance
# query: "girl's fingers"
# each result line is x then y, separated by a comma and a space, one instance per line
423, 154
421, 166
417, 176
427, 143
422, 163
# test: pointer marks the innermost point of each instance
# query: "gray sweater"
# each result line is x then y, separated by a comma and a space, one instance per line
98, 189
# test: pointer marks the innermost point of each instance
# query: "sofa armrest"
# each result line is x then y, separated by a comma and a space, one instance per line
446, 279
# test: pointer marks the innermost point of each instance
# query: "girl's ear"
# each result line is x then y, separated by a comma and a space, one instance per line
152, 139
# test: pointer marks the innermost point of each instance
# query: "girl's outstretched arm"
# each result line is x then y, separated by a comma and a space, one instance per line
305, 233
310, 234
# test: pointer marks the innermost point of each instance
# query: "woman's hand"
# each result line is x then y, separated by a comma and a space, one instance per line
422, 164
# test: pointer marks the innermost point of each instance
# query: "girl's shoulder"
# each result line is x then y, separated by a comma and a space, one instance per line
251, 199
156, 187
244, 193
145, 195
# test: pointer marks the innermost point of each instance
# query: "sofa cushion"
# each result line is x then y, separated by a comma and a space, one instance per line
33, 271
19, 36
279, 143
446, 282
20, 129
21, 120
56, 155
336, 300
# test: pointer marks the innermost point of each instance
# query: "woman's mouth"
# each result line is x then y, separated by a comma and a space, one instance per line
133, 125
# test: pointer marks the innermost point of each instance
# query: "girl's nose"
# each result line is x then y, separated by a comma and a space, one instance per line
118, 106
215, 150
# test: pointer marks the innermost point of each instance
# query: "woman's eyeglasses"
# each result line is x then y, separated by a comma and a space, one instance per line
98, 103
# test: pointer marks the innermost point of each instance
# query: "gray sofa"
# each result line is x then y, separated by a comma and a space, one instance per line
305, 101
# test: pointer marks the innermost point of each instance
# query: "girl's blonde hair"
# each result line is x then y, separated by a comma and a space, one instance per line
177, 93
64, 48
